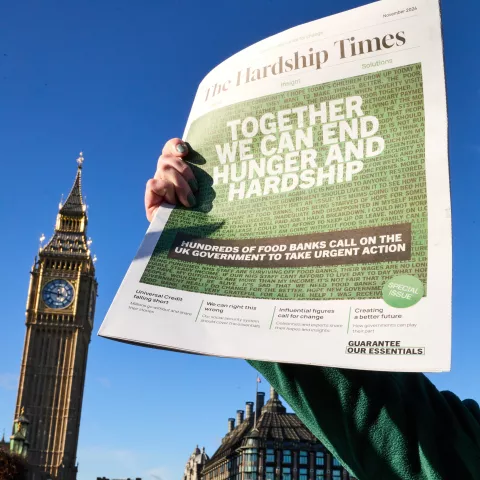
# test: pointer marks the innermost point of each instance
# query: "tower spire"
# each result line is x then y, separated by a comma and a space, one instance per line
60, 313
70, 229
80, 160
74, 204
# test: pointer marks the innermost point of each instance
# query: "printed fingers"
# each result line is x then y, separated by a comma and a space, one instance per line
157, 191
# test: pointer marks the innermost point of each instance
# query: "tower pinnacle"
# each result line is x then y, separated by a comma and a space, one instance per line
80, 160
74, 204
69, 237
59, 321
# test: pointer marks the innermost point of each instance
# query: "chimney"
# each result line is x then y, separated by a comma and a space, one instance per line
239, 417
273, 394
260, 403
231, 424
248, 410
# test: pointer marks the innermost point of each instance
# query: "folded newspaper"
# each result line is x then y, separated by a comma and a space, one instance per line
322, 233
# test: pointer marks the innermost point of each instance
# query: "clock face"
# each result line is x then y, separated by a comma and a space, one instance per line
58, 294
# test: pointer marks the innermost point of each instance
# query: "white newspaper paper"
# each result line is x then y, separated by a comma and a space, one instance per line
322, 231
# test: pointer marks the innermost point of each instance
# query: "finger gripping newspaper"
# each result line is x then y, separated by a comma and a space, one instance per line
322, 231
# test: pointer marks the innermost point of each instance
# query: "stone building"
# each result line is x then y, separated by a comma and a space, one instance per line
267, 443
59, 321
195, 464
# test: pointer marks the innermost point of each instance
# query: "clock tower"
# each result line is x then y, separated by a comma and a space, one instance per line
59, 321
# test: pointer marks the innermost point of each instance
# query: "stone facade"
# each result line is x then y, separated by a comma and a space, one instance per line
59, 321
270, 444
195, 464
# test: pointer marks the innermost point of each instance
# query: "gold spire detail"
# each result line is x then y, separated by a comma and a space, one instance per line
80, 160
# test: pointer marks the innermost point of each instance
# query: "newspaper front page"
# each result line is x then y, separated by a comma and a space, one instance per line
322, 233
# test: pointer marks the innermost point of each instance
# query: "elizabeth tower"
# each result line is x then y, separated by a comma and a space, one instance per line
59, 320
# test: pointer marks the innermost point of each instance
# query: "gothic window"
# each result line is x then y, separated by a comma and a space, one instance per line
269, 473
303, 458
336, 474
270, 455
286, 473
336, 463
320, 459
303, 474
250, 456
287, 456
319, 474
250, 463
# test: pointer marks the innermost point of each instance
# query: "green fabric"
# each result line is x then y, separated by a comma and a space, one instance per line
383, 426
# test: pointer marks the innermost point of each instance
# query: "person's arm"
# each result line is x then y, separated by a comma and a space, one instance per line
383, 426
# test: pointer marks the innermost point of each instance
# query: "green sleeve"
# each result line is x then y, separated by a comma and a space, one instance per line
383, 426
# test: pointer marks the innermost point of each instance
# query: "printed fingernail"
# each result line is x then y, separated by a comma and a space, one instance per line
192, 201
193, 184
181, 148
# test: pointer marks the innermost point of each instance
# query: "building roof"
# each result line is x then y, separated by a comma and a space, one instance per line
199, 456
274, 424
71, 243
284, 427
74, 203
196, 460
5, 446
67, 240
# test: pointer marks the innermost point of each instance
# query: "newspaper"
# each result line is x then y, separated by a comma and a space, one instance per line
322, 233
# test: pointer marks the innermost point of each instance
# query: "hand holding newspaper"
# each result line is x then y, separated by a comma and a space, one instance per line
322, 230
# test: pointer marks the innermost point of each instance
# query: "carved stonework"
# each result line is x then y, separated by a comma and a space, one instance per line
59, 321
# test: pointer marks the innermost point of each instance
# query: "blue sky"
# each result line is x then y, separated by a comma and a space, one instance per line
116, 80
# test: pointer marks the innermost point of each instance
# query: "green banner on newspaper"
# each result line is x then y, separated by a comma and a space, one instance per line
317, 193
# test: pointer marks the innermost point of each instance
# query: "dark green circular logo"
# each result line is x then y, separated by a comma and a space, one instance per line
403, 291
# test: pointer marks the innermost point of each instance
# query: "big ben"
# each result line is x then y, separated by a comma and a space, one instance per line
59, 322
